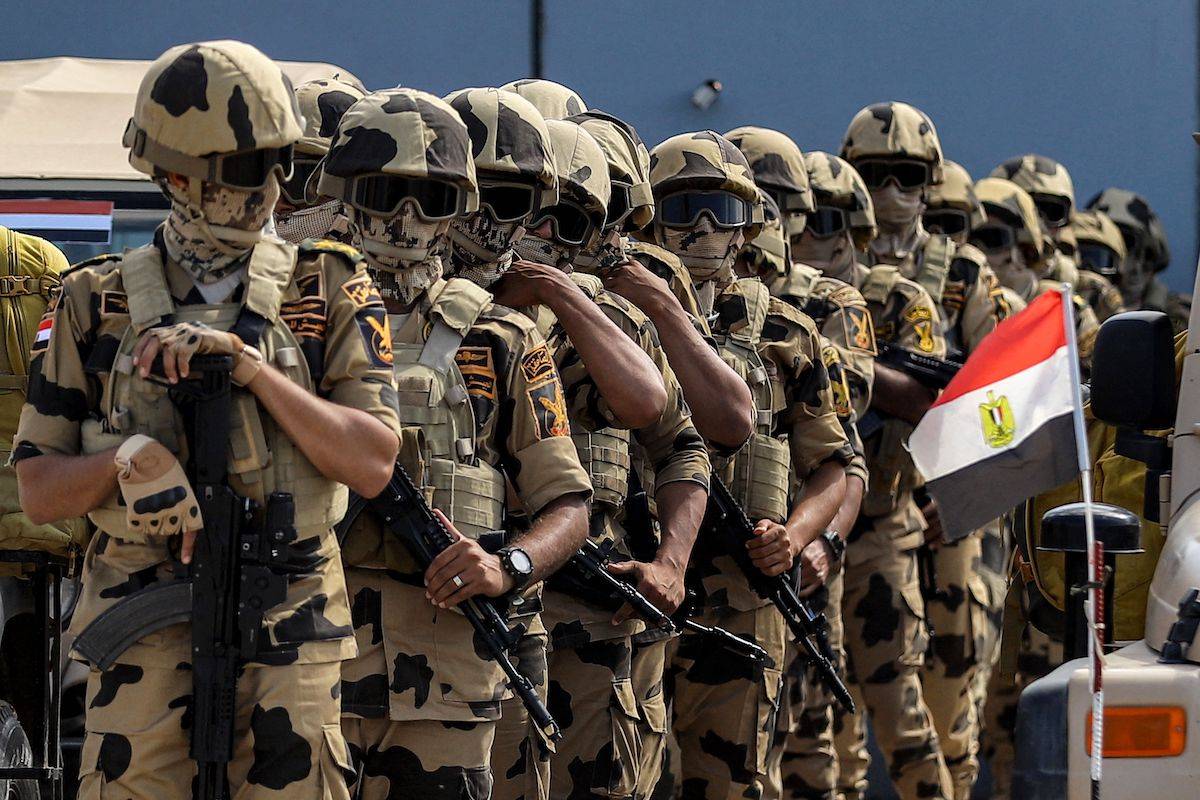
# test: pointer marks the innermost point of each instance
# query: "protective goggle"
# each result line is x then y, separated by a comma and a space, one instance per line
787, 201
908, 174
1055, 211
383, 196
993, 237
620, 204
509, 202
948, 221
251, 169
684, 209
295, 188
1098, 258
827, 221
570, 223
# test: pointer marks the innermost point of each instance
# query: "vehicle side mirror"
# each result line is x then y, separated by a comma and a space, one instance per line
1133, 371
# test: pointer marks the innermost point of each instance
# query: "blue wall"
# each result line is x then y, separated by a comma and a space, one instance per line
1105, 86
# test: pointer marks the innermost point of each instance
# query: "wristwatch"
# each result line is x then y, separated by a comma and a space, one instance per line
837, 547
517, 563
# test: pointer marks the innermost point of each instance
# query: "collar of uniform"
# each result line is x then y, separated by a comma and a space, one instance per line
185, 291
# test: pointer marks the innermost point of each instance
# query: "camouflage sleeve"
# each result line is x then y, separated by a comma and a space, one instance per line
844, 407
673, 445
848, 328
982, 308
538, 453
358, 346
814, 433
59, 397
919, 328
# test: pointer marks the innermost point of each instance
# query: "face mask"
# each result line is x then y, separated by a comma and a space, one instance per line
609, 252
833, 256
314, 222
552, 254
481, 248
1012, 271
1133, 280
705, 250
212, 227
400, 251
895, 208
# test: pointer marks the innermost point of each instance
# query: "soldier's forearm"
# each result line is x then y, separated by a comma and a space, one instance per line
899, 395
680, 511
557, 533
847, 515
624, 374
345, 444
55, 486
824, 491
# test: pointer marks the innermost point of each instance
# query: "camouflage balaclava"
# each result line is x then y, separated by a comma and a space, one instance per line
322, 102
704, 161
196, 103
889, 131
1018, 267
400, 133
836, 184
510, 145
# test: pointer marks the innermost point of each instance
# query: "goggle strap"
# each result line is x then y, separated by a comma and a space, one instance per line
142, 146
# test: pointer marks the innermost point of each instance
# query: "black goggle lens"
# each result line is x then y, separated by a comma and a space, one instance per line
827, 221
508, 203
683, 210
948, 221
993, 238
294, 187
1054, 210
383, 195
908, 175
1098, 258
571, 224
619, 205
252, 169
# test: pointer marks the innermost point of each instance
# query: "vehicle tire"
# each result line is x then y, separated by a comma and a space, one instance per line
14, 752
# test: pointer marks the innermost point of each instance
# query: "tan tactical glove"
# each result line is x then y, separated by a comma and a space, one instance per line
158, 498
179, 342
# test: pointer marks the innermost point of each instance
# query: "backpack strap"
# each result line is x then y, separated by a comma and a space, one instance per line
758, 301
268, 274
935, 266
454, 312
146, 288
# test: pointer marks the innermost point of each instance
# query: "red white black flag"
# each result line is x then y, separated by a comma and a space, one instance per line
61, 221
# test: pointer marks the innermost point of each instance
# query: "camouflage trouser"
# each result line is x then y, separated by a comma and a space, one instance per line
288, 740
649, 664
725, 707
886, 641
520, 753
591, 696
420, 759
956, 609
994, 569
1026, 655
809, 761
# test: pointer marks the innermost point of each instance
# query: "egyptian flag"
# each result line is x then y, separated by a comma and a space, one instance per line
1004, 429
60, 221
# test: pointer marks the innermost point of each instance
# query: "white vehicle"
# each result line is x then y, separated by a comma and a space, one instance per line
1151, 687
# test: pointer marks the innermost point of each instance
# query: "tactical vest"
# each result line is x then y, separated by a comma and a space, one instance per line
432, 395
262, 459
761, 471
935, 266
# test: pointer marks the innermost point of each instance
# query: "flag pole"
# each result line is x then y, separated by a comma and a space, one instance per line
1095, 559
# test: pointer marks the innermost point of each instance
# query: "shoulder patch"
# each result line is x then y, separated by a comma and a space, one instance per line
475, 364
113, 304
537, 366
330, 246
840, 293
921, 318
361, 291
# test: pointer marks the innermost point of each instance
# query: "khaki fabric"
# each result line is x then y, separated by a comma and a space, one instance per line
1099, 293
647, 676
520, 753
288, 743
420, 759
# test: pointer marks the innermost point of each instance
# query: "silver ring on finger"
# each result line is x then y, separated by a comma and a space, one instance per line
458, 581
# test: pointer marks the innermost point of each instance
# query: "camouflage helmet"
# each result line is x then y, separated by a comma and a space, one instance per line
581, 167
771, 249
1013, 205
834, 182
509, 140
199, 102
893, 130
1131, 211
1038, 175
323, 102
404, 133
628, 161
1096, 227
956, 190
553, 100
705, 161
778, 166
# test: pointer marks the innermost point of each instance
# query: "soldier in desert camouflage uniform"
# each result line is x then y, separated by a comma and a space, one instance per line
725, 709
1100, 249
299, 213
485, 404
213, 125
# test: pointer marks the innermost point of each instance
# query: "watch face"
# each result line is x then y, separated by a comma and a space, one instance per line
520, 561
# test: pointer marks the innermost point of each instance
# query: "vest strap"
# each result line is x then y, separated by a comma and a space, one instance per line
935, 266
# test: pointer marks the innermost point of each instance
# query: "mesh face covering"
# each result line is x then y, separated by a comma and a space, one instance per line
833, 256
609, 252
400, 250
481, 248
314, 222
541, 251
707, 252
210, 227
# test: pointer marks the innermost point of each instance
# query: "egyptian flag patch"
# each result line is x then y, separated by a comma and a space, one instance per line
42, 339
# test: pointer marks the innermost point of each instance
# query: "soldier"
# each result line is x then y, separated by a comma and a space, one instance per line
1049, 184
552, 100
420, 706
1101, 250
590, 658
213, 125
724, 709
299, 213
1147, 254
951, 207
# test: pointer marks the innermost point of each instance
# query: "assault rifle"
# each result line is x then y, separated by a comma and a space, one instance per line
404, 514
586, 577
727, 529
931, 372
238, 572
